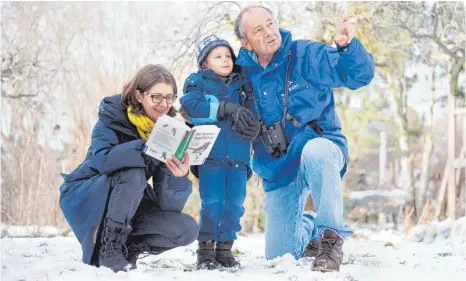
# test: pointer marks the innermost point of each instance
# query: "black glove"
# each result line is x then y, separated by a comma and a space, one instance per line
228, 110
247, 125
242, 118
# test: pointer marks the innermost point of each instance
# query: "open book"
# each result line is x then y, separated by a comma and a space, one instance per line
170, 137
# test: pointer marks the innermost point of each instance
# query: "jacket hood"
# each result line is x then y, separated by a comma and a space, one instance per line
113, 116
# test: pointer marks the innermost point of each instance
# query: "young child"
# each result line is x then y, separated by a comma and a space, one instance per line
215, 95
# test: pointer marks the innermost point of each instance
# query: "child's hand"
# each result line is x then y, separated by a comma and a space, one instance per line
178, 168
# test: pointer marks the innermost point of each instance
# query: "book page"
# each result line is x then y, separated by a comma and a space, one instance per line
165, 138
201, 143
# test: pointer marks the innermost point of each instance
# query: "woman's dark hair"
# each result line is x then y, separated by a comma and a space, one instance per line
146, 78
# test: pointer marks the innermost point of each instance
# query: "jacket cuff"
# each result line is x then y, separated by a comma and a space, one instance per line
350, 49
221, 111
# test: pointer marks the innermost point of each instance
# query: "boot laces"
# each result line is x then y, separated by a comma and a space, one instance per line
326, 247
112, 246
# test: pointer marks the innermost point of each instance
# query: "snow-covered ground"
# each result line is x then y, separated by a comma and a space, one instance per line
380, 256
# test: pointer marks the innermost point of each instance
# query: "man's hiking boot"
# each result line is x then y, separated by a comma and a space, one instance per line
311, 249
330, 254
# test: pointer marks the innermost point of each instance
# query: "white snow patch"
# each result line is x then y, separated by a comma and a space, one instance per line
33, 231
60, 259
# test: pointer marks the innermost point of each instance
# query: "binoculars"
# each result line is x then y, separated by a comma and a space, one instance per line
274, 138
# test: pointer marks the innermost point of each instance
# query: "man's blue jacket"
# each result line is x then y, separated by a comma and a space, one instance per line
315, 68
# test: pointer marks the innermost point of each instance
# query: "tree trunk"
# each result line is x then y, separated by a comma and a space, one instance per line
455, 71
383, 159
428, 147
398, 101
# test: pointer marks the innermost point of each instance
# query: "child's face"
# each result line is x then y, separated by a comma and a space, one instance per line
220, 61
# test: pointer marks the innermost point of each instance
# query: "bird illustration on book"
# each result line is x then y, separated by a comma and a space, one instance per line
197, 151
173, 129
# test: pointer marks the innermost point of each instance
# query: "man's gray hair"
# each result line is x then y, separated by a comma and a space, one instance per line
239, 31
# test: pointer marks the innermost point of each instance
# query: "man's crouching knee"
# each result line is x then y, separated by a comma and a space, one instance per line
320, 152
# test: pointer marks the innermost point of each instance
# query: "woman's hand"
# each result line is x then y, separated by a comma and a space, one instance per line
178, 168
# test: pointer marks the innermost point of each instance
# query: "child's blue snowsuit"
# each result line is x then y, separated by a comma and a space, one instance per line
223, 177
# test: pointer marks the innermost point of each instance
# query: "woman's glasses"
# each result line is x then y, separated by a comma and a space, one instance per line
157, 98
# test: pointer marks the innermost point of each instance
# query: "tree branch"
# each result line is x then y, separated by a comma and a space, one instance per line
191, 42
435, 39
19, 96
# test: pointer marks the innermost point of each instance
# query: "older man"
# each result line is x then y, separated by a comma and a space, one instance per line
301, 153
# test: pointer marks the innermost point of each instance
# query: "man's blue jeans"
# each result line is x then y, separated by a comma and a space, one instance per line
289, 227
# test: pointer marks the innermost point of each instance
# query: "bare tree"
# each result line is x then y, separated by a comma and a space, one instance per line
441, 24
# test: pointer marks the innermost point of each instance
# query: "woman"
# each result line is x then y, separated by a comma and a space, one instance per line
113, 211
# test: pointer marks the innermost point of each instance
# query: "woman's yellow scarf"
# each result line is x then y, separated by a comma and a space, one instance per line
143, 123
